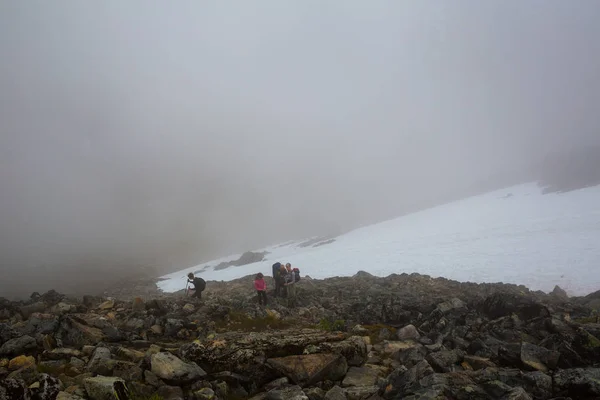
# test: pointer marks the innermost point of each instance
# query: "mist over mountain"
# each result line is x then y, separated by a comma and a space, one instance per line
140, 139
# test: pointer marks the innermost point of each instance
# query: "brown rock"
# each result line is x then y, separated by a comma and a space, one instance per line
477, 363
21, 362
310, 368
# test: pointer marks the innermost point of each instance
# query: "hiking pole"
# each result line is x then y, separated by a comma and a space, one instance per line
187, 283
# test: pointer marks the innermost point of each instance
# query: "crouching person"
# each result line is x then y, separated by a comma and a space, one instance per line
261, 288
199, 285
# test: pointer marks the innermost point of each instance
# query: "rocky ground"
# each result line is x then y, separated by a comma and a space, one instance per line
399, 337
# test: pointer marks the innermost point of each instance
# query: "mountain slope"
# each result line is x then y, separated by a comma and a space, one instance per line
514, 235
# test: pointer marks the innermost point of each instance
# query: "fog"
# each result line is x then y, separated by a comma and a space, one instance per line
147, 134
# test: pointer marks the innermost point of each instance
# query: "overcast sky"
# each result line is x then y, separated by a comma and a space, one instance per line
168, 133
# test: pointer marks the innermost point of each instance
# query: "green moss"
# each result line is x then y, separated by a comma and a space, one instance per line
374, 331
238, 321
52, 369
332, 326
587, 320
153, 397
593, 342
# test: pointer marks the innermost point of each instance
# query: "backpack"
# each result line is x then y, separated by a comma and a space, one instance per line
276, 267
199, 284
297, 273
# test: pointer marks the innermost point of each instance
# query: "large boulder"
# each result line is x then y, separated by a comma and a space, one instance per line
354, 349
98, 363
77, 333
246, 353
578, 383
40, 323
173, 370
21, 345
308, 369
538, 358
503, 304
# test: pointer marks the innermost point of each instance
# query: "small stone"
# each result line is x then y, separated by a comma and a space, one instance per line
107, 305
477, 363
204, 394
189, 308
21, 362
88, 350
408, 332
360, 330
289, 393
157, 329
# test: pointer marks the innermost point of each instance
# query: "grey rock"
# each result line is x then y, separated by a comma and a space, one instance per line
48, 388
170, 393
101, 387
517, 394
98, 363
360, 376
315, 393
173, 370
408, 332
538, 358
289, 393
18, 346
361, 392
276, 384
12, 389
336, 393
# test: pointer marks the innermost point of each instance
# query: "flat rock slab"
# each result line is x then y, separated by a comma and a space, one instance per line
308, 369
360, 376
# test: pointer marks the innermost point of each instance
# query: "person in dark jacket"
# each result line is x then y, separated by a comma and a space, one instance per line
276, 273
199, 285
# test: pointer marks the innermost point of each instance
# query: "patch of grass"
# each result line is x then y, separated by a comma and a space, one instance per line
332, 326
238, 321
153, 397
374, 331
593, 342
52, 369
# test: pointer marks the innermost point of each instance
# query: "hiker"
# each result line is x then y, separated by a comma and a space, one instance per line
199, 285
281, 278
290, 284
261, 288
276, 278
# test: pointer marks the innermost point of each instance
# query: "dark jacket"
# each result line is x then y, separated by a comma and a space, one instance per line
199, 283
276, 267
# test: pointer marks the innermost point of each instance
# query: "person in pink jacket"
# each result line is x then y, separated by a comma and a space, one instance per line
261, 288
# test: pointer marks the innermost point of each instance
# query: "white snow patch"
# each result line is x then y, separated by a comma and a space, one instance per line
539, 240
